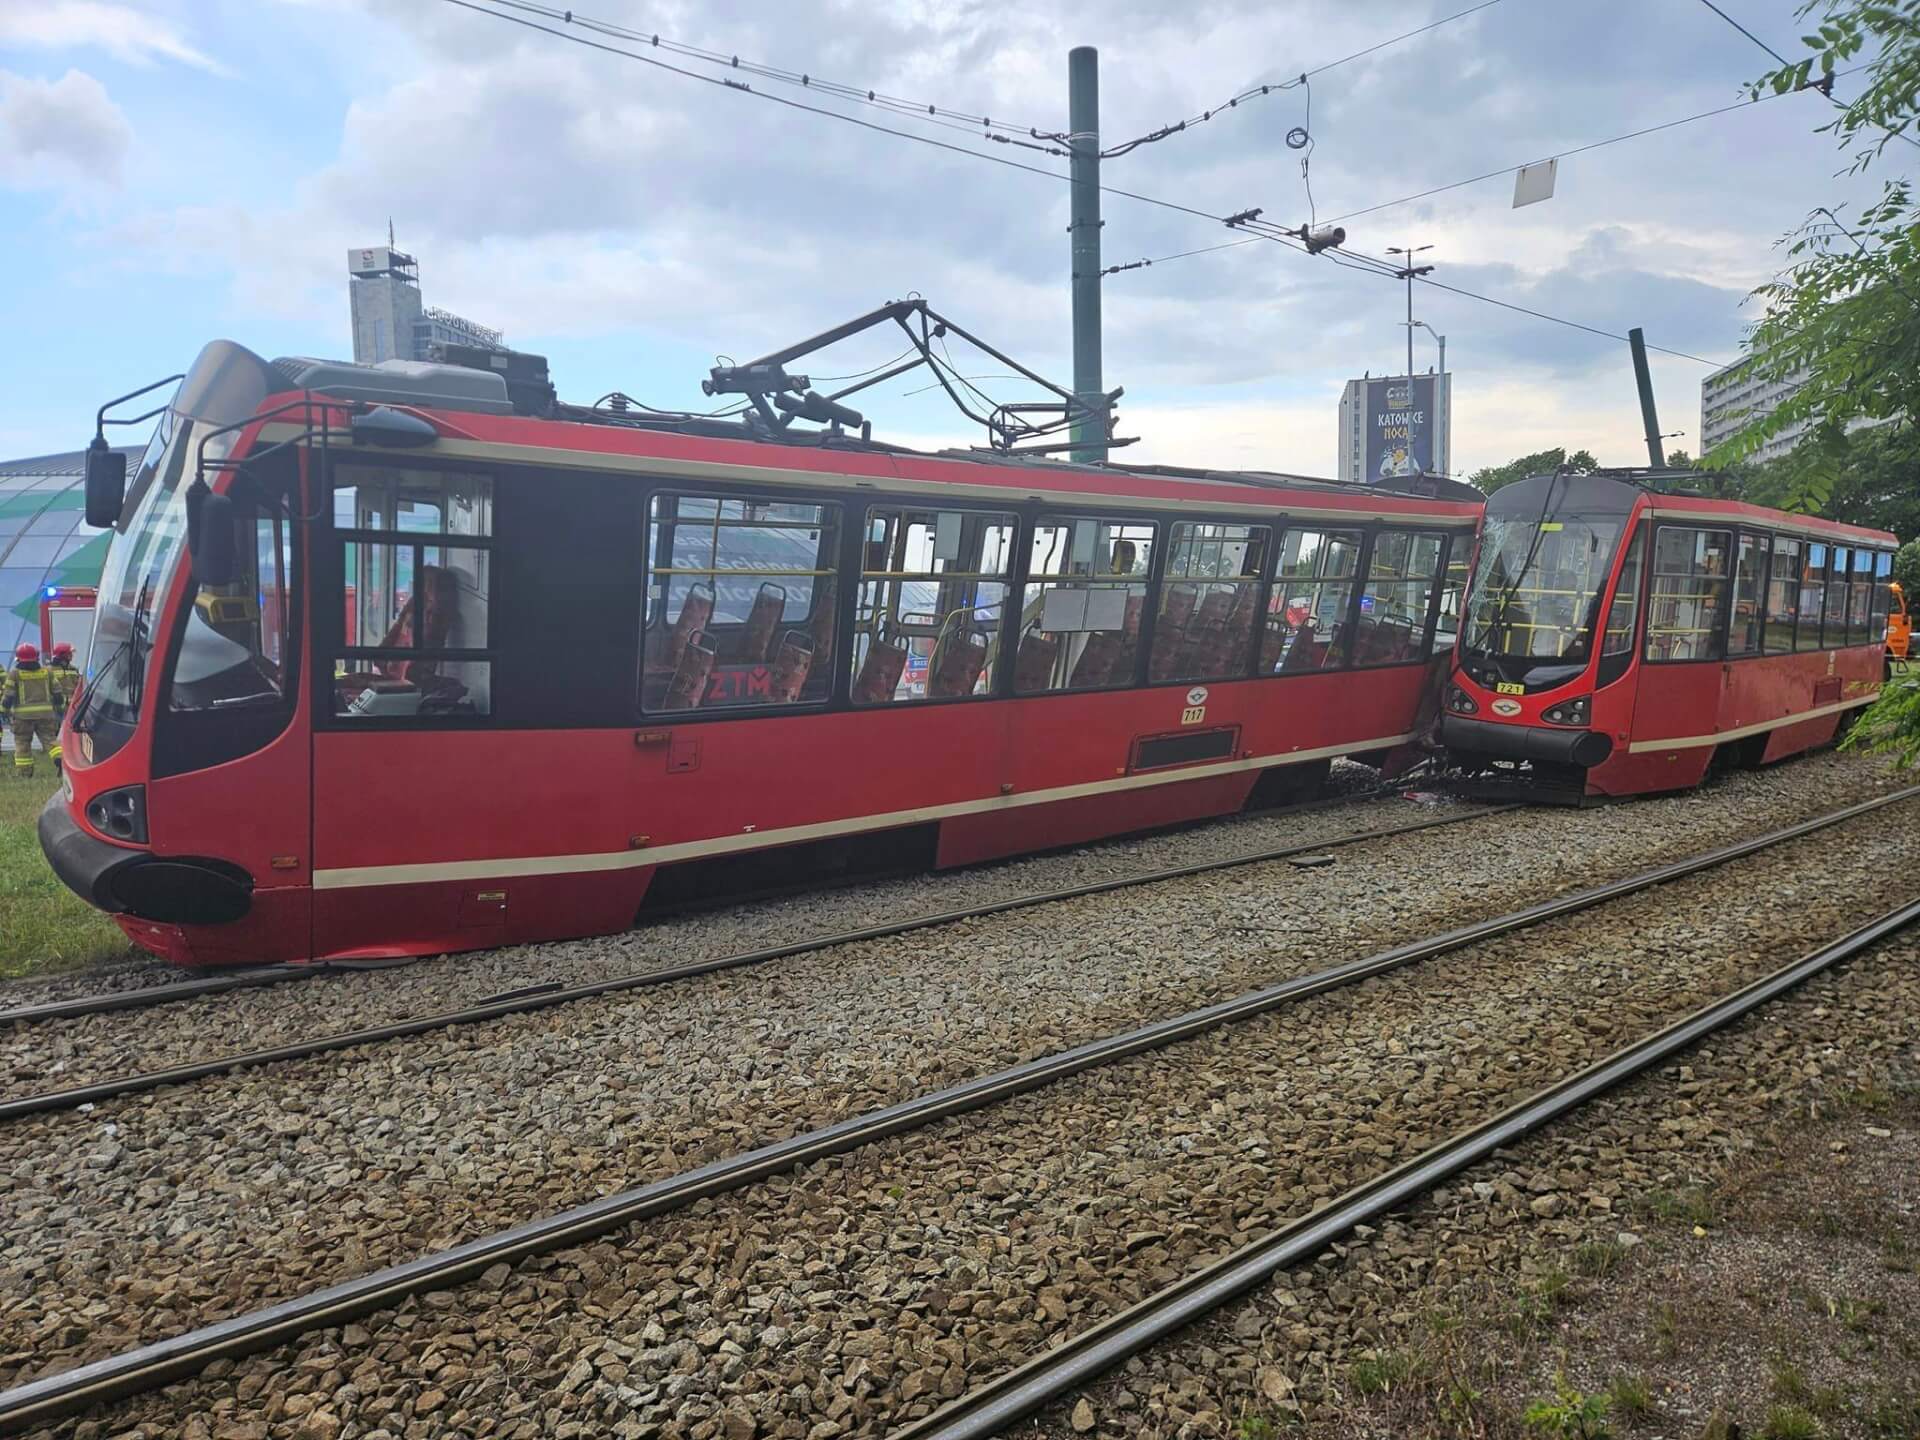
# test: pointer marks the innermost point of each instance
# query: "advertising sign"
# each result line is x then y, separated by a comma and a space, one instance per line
1399, 428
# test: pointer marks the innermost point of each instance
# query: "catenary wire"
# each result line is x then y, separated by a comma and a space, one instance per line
914, 109
1785, 63
1254, 92
1564, 154
1277, 235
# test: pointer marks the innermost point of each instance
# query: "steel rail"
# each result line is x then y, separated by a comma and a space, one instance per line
147, 1367
149, 996
531, 998
990, 1408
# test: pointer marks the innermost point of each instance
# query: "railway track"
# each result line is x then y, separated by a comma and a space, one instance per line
527, 999
990, 1408
153, 1365
174, 991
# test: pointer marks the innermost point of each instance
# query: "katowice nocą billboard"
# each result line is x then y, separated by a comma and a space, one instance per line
1400, 425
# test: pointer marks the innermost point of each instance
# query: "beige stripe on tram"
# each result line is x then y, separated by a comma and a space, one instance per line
1694, 742
357, 877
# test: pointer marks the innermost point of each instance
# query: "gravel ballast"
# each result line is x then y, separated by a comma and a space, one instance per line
1439, 866
881, 1282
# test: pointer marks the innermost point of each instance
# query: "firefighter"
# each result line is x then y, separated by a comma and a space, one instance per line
30, 699
64, 673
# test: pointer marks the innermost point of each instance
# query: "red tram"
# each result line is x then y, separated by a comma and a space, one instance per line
1622, 637
418, 671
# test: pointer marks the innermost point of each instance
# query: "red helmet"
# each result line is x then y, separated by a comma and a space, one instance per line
27, 654
62, 653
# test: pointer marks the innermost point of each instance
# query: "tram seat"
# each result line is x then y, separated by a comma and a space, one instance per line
1308, 651
1033, 669
821, 631
792, 663
688, 686
695, 611
756, 636
956, 669
880, 671
1105, 651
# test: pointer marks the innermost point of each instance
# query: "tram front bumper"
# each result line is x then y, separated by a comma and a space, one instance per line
173, 890
1547, 743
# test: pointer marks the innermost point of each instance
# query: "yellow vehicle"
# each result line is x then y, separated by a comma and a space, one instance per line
1899, 625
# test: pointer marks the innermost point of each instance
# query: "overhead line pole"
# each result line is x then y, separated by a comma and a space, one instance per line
1083, 140
1643, 377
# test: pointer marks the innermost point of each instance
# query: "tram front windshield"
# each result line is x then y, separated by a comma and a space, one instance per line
1543, 566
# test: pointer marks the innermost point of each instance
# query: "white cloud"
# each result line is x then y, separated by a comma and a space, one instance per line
65, 133
127, 34
570, 195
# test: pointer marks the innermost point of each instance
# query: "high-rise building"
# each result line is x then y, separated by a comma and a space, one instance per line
1731, 398
390, 322
1391, 428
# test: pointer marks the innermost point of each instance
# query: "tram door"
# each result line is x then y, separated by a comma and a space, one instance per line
232, 744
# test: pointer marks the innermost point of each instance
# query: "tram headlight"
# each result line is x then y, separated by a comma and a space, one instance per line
1570, 712
1459, 702
120, 813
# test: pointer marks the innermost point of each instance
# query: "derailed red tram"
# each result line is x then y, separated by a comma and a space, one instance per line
385, 665
1623, 634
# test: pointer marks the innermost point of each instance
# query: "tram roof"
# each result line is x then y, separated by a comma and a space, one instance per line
490, 418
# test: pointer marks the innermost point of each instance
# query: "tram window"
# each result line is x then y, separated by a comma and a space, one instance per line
1783, 595
1080, 611
416, 567
1307, 609
1813, 595
740, 602
1208, 595
933, 593
1398, 594
1860, 600
1687, 603
1453, 591
1834, 633
412, 609
412, 502
235, 649
1623, 611
1743, 636
1882, 597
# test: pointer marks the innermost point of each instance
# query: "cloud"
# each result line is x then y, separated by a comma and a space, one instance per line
574, 198
127, 34
64, 133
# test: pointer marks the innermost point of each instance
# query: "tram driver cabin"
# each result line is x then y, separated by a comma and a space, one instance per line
458, 675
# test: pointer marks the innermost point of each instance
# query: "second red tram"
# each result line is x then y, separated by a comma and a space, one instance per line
481, 676
1621, 636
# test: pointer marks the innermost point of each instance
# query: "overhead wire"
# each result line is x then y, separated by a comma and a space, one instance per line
1246, 221
1825, 88
1255, 92
1564, 154
1007, 131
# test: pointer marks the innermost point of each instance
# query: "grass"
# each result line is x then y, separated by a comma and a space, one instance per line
1789, 1422
44, 927
1631, 1398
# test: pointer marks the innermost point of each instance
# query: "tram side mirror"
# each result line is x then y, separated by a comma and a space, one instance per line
106, 483
210, 535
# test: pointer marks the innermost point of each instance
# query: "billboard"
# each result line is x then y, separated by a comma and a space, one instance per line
1399, 428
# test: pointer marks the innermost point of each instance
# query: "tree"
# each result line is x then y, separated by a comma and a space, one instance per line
1843, 319
1906, 569
1542, 462
1845, 313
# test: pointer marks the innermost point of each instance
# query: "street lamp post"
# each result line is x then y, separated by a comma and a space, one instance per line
1408, 271
1439, 339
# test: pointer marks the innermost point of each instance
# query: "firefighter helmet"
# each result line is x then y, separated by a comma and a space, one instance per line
27, 654
62, 653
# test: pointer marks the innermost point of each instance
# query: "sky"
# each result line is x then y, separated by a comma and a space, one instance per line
175, 171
